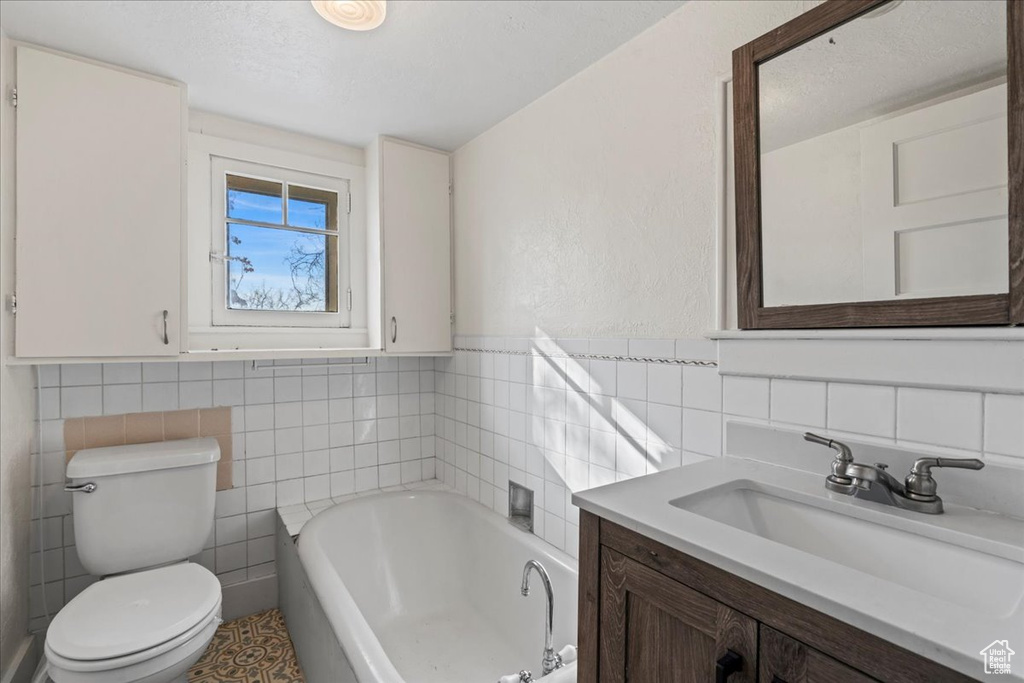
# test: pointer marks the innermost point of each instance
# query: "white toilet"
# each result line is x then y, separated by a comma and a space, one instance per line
140, 512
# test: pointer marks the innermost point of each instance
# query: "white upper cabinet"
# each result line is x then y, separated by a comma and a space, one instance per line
101, 265
413, 186
100, 177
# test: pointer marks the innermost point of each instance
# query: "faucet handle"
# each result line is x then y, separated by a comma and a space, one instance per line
838, 479
843, 452
920, 484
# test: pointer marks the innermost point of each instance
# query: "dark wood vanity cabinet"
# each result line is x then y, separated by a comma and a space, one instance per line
651, 614
657, 630
781, 659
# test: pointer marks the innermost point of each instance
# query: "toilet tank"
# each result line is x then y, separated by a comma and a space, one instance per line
153, 503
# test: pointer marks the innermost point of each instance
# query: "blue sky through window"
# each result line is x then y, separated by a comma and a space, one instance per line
250, 206
287, 269
305, 214
276, 269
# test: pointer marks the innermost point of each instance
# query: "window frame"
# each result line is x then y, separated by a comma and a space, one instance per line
224, 317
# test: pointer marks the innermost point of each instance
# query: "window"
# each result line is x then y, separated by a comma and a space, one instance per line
281, 240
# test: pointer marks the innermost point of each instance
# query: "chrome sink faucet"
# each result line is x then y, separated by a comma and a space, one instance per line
871, 482
552, 660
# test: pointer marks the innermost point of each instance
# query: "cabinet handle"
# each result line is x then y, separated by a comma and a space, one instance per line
776, 679
166, 340
727, 665
394, 330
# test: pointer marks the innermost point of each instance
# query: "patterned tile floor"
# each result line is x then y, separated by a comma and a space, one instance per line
253, 649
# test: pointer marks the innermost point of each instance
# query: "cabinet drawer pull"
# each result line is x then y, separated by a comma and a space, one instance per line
166, 340
727, 665
394, 330
776, 679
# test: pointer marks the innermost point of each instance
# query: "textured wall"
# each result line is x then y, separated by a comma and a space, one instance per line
17, 414
591, 212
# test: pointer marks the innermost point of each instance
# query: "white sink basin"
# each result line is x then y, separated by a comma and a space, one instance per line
980, 581
942, 585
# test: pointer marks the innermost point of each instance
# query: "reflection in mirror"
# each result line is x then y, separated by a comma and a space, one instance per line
883, 148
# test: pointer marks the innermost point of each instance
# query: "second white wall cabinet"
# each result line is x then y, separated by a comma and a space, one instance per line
411, 214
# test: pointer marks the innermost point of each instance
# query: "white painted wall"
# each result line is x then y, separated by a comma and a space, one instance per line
591, 212
811, 220
17, 414
586, 223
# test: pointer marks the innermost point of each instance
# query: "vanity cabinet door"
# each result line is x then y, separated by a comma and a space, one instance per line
656, 630
785, 660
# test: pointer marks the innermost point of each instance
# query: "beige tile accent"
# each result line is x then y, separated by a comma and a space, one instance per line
225, 468
225, 446
224, 473
214, 421
144, 427
117, 430
181, 424
103, 431
74, 433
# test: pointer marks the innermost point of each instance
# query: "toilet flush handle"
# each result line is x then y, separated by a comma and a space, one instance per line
80, 488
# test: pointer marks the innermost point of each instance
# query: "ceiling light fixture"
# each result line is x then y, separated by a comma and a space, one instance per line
883, 9
355, 15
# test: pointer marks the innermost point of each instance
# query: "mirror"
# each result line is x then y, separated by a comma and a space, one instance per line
879, 159
883, 157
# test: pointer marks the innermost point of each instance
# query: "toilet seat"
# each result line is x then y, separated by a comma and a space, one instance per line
168, 662
123, 620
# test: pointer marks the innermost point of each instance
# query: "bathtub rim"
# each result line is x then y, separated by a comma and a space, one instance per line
359, 643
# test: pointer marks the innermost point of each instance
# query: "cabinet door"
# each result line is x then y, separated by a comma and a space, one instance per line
100, 172
416, 221
656, 630
785, 660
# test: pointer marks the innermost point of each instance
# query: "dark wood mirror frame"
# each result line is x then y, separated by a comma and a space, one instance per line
987, 309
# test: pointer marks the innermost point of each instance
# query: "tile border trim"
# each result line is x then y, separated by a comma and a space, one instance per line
593, 356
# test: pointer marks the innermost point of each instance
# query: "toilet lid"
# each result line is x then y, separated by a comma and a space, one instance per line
129, 613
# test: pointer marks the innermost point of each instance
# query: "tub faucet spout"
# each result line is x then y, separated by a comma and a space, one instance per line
551, 660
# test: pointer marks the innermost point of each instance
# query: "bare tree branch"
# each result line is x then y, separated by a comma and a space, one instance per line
306, 264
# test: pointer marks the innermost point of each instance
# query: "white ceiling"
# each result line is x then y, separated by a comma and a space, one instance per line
880, 63
437, 72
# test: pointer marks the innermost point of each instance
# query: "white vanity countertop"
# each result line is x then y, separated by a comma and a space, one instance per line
946, 632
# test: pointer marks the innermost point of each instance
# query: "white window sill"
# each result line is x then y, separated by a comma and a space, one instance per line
221, 355
279, 354
251, 339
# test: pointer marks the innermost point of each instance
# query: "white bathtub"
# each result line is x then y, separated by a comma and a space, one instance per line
420, 587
